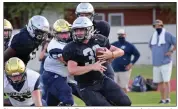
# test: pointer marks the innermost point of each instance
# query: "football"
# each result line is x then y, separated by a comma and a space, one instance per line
98, 52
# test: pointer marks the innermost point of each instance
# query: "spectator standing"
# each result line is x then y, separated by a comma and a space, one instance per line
123, 65
161, 47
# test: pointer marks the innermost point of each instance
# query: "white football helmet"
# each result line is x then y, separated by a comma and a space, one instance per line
38, 27
86, 8
83, 24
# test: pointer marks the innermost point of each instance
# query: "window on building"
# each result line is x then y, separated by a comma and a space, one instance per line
116, 19
99, 16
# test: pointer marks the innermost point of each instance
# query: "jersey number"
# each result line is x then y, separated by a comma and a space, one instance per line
21, 98
90, 53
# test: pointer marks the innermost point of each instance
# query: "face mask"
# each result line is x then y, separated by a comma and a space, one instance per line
159, 30
121, 39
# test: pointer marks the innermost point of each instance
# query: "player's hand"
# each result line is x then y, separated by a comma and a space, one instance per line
107, 54
99, 67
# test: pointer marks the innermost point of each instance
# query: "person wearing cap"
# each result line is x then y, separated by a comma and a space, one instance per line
123, 65
161, 44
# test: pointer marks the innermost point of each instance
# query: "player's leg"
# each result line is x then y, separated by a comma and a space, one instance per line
92, 97
123, 80
116, 95
157, 78
166, 71
62, 91
43, 76
51, 100
57, 87
75, 89
47, 96
109, 71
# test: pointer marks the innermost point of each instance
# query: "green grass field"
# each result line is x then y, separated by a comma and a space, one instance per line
145, 98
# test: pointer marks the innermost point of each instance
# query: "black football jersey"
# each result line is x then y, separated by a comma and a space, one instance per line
23, 44
85, 54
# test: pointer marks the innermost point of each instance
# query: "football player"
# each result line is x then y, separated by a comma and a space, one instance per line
7, 33
57, 90
28, 39
21, 84
96, 89
100, 26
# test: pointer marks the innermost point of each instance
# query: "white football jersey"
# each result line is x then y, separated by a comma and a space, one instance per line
52, 64
24, 96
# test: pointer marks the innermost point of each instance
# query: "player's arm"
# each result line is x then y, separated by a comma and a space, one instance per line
111, 52
116, 52
56, 53
36, 94
43, 53
74, 69
8, 53
14, 46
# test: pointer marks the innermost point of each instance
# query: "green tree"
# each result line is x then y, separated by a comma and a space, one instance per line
25, 10
171, 9
169, 6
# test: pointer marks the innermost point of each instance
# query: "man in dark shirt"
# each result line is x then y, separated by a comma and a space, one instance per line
28, 39
96, 89
123, 65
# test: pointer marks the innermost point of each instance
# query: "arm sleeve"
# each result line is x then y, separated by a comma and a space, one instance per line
15, 43
136, 54
68, 54
55, 53
37, 84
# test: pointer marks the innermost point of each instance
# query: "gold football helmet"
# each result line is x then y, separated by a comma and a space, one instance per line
61, 30
15, 70
7, 30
